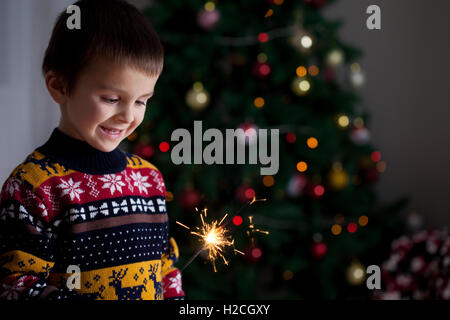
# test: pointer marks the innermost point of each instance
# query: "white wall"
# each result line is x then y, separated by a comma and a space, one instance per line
407, 64
27, 113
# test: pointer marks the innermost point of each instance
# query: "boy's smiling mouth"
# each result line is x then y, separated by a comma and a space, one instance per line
111, 133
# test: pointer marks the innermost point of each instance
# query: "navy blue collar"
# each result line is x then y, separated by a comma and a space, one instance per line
80, 156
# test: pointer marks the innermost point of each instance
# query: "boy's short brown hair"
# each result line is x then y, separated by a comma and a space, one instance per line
112, 29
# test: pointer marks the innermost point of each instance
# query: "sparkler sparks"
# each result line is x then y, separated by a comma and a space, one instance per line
215, 237
251, 230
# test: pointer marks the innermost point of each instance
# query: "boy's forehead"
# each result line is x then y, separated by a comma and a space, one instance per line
102, 67
105, 86
110, 75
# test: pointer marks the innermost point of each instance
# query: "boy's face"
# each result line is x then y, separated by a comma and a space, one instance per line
106, 95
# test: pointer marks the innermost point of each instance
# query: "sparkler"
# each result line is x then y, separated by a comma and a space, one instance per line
215, 236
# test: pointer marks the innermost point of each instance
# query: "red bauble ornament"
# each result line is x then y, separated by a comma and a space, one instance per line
352, 227
164, 146
237, 220
375, 156
291, 137
315, 190
245, 193
189, 199
253, 253
319, 249
143, 151
316, 3
261, 70
263, 37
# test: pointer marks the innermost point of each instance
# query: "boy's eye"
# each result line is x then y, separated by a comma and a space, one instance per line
110, 100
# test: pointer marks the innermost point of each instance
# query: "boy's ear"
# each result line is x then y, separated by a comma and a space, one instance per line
56, 86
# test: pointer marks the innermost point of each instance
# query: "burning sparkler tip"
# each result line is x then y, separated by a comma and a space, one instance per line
214, 235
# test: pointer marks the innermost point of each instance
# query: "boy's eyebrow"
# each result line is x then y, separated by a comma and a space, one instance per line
102, 87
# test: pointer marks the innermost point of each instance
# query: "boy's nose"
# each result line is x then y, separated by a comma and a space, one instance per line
127, 115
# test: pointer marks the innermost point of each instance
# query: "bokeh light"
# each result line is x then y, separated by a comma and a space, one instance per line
268, 181
164, 146
363, 221
209, 6
262, 57
312, 142
291, 137
306, 42
169, 196
263, 37
313, 70
343, 121
336, 229
352, 227
302, 166
249, 193
375, 156
381, 166
301, 71
256, 253
237, 220
304, 85
319, 190
132, 136
259, 102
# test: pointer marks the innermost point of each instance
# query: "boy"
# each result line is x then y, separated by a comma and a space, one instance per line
78, 203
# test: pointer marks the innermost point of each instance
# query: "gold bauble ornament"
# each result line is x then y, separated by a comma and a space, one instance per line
338, 177
197, 98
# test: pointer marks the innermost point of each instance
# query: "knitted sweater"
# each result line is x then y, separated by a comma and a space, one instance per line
70, 207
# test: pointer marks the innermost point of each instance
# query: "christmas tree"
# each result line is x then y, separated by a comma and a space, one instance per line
269, 64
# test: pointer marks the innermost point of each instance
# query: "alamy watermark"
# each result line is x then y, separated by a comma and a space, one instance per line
213, 153
74, 20
373, 22
74, 280
374, 280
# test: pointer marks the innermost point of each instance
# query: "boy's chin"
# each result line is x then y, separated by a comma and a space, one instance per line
106, 147
109, 149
